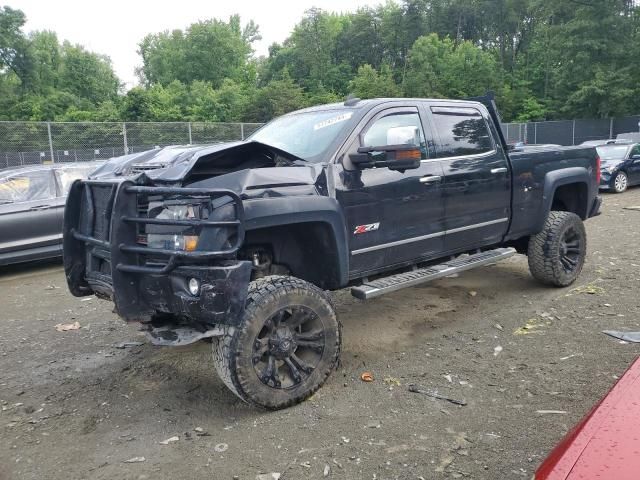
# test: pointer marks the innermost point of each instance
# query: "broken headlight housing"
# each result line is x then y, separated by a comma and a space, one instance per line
173, 237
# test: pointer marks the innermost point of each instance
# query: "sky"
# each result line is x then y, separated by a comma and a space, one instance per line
115, 27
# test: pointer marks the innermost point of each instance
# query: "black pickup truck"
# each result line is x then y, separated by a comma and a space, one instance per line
239, 242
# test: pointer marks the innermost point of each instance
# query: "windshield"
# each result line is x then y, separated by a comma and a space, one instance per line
305, 135
612, 153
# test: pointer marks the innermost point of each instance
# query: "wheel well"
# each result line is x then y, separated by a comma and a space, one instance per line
307, 250
571, 198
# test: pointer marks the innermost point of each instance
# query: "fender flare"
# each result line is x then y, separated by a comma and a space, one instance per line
559, 178
282, 211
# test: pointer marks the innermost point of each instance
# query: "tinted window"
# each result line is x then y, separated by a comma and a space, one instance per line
396, 129
462, 131
25, 187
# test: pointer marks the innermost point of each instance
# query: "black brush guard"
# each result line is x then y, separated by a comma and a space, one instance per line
102, 255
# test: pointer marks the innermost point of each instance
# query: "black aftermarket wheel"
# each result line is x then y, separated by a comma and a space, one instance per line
556, 254
286, 346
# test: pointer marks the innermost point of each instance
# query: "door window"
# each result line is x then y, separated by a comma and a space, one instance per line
396, 129
26, 187
462, 131
635, 151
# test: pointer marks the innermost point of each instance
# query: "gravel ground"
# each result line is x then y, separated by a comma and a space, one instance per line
76, 406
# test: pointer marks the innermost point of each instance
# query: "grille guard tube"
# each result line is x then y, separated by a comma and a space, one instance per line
139, 290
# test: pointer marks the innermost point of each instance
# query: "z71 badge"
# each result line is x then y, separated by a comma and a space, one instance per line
372, 227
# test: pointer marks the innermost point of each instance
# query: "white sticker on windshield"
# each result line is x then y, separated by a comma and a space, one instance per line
332, 121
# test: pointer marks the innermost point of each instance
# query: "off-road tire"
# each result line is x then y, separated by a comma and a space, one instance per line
233, 352
620, 182
545, 252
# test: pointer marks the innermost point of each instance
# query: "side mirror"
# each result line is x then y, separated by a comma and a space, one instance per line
393, 157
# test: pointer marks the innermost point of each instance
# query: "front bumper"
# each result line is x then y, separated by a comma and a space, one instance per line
605, 180
102, 255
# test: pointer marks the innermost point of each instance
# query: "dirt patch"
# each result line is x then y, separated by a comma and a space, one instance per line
76, 406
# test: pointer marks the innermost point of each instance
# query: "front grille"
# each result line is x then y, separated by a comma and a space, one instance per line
105, 262
95, 221
102, 204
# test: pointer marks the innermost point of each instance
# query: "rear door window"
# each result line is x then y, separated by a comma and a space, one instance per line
463, 131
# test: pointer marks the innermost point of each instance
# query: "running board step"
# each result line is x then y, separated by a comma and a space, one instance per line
380, 286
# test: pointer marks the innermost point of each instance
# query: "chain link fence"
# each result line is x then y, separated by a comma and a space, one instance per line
570, 132
28, 143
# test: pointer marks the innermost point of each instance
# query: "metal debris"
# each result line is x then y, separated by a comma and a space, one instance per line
128, 344
417, 389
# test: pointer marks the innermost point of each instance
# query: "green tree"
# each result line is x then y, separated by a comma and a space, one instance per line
439, 68
368, 83
210, 51
276, 98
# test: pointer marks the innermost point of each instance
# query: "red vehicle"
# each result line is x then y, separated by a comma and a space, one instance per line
605, 445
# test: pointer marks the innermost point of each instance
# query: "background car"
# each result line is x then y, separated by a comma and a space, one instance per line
31, 207
620, 166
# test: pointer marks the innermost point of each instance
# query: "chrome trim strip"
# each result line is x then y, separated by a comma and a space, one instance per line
395, 244
478, 225
427, 237
480, 155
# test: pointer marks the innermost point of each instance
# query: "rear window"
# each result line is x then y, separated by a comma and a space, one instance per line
462, 131
613, 152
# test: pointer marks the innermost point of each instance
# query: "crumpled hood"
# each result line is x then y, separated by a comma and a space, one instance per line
270, 182
168, 164
173, 164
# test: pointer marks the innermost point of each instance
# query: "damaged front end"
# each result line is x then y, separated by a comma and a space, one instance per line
166, 256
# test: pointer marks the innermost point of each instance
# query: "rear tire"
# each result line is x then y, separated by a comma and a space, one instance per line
285, 347
620, 182
556, 255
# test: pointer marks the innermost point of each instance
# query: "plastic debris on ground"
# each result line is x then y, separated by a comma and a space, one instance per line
135, 460
366, 377
169, 440
65, 327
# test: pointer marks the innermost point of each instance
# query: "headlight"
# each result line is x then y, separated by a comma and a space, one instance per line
610, 169
172, 237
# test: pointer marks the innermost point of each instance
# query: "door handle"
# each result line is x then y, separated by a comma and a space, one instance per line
430, 179
40, 207
495, 171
